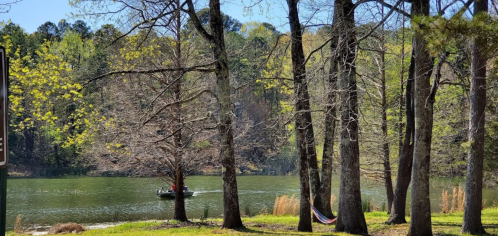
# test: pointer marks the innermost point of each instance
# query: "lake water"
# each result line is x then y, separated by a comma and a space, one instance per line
90, 200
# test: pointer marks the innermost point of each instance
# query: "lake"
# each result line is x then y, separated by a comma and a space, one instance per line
91, 200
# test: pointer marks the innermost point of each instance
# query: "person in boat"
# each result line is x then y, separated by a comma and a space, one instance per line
185, 189
173, 187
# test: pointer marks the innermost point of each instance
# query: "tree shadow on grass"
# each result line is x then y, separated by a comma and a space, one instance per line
443, 224
253, 231
453, 225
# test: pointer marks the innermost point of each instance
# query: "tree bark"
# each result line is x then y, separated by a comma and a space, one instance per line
322, 199
388, 183
231, 211
302, 111
420, 217
473, 184
398, 209
180, 213
350, 215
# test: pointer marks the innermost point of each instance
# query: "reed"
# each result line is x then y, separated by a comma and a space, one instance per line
454, 199
17, 225
247, 210
457, 200
205, 212
445, 205
333, 198
366, 204
285, 205
461, 199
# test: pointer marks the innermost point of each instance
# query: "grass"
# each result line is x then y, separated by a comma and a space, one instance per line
442, 224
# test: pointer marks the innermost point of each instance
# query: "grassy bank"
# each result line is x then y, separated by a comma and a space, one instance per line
442, 224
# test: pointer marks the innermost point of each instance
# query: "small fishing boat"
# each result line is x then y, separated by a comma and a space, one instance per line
171, 194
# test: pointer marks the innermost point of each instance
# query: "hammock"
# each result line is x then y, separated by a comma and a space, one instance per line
321, 217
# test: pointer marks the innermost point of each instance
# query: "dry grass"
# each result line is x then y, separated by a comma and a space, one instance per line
66, 228
454, 199
285, 205
461, 199
444, 202
457, 200
17, 224
333, 198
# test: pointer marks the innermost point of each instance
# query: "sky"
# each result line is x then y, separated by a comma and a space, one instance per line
30, 14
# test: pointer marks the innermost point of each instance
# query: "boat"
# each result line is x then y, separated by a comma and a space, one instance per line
171, 194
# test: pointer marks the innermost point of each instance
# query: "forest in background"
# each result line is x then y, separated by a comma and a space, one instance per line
64, 116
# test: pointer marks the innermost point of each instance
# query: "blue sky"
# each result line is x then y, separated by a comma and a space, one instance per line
30, 14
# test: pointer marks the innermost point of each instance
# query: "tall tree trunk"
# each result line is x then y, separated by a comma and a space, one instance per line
180, 213
398, 208
302, 109
322, 199
473, 183
401, 84
388, 183
231, 210
420, 217
350, 215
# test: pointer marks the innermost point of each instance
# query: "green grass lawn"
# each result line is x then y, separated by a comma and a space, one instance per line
442, 224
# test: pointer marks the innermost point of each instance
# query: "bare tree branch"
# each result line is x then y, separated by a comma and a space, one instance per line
5, 7
198, 94
200, 68
380, 22
197, 22
395, 8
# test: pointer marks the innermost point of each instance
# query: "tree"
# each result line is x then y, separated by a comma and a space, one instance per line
230, 24
303, 118
156, 119
163, 130
473, 182
20, 40
403, 179
420, 223
216, 40
322, 199
47, 31
385, 146
82, 29
40, 91
350, 215
63, 26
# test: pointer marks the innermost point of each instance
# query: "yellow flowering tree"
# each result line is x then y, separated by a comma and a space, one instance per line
41, 90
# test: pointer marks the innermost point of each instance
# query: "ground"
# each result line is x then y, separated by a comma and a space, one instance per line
442, 224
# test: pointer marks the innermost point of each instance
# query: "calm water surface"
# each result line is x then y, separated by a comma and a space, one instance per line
90, 200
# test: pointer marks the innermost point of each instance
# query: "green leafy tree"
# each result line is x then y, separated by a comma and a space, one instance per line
39, 90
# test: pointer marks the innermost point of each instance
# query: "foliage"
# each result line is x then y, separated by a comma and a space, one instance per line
41, 89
